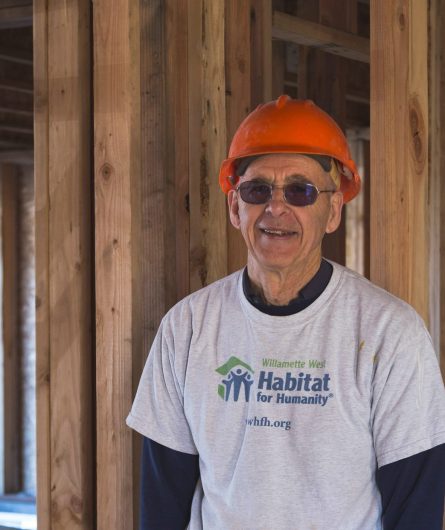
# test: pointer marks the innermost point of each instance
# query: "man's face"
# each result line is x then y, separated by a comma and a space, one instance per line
280, 236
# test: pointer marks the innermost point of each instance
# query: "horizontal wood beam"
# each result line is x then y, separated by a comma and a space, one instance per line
16, 56
16, 17
294, 29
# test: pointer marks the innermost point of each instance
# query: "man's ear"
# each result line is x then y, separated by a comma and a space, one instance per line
335, 212
232, 200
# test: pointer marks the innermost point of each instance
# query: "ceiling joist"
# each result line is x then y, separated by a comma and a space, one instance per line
294, 29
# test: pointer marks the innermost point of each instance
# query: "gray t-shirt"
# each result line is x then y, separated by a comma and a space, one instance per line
291, 415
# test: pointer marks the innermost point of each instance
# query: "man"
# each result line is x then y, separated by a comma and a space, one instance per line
293, 394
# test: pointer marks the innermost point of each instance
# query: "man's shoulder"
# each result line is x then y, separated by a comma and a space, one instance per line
215, 292
360, 290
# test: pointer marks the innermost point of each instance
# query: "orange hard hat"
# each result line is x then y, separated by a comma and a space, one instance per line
291, 126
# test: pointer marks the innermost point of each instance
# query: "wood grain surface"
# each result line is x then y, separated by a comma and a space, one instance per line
116, 155
399, 150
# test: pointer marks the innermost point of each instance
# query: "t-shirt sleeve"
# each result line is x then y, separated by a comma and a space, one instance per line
158, 408
408, 396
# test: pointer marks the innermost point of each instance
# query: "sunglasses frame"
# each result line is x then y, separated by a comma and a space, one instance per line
274, 186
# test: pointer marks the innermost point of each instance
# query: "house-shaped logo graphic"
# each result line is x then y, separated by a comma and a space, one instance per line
237, 375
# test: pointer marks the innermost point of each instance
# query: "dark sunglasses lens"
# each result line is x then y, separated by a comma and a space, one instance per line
300, 194
254, 192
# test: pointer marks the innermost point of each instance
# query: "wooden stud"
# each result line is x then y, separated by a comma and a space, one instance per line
238, 71
41, 171
435, 161
399, 150
69, 184
261, 51
117, 170
177, 145
12, 402
65, 494
207, 122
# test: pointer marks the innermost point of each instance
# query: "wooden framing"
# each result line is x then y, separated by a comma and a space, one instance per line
238, 75
399, 149
436, 163
329, 39
117, 170
172, 80
41, 168
63, 263
207, 124
11, 345
437, 172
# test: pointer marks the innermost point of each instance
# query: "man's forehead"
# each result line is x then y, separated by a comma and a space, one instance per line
286, 165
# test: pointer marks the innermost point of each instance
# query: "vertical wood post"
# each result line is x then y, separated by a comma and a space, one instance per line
238, 72
399, 149
41, 170
117, 171
436, 161
261, 51
207, 147
63, 234
12, 403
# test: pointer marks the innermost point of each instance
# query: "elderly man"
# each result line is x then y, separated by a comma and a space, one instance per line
293, 394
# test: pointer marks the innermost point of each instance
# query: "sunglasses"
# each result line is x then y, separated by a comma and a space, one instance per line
295, 193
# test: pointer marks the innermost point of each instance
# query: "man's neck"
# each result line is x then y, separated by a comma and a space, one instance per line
280, 286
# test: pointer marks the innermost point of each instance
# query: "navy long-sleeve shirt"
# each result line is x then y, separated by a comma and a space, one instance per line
412, 489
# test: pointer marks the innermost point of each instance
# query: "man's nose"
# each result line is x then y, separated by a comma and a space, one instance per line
277, 203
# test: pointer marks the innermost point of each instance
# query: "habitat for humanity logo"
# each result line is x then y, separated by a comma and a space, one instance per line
237, 375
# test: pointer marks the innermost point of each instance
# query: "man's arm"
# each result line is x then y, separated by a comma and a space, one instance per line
413, 490
168, 481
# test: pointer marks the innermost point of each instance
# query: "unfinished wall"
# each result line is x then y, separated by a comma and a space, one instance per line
171, 82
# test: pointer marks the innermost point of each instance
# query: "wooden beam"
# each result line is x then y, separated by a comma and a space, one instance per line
399, 150
116, 170
11, 344
238, 75
177, 166
207, 126
261, 51
63, 241
436, 162
294, 29
41, 170
16, 17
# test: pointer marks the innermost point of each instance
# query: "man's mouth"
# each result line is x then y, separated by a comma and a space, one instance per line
276, 232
